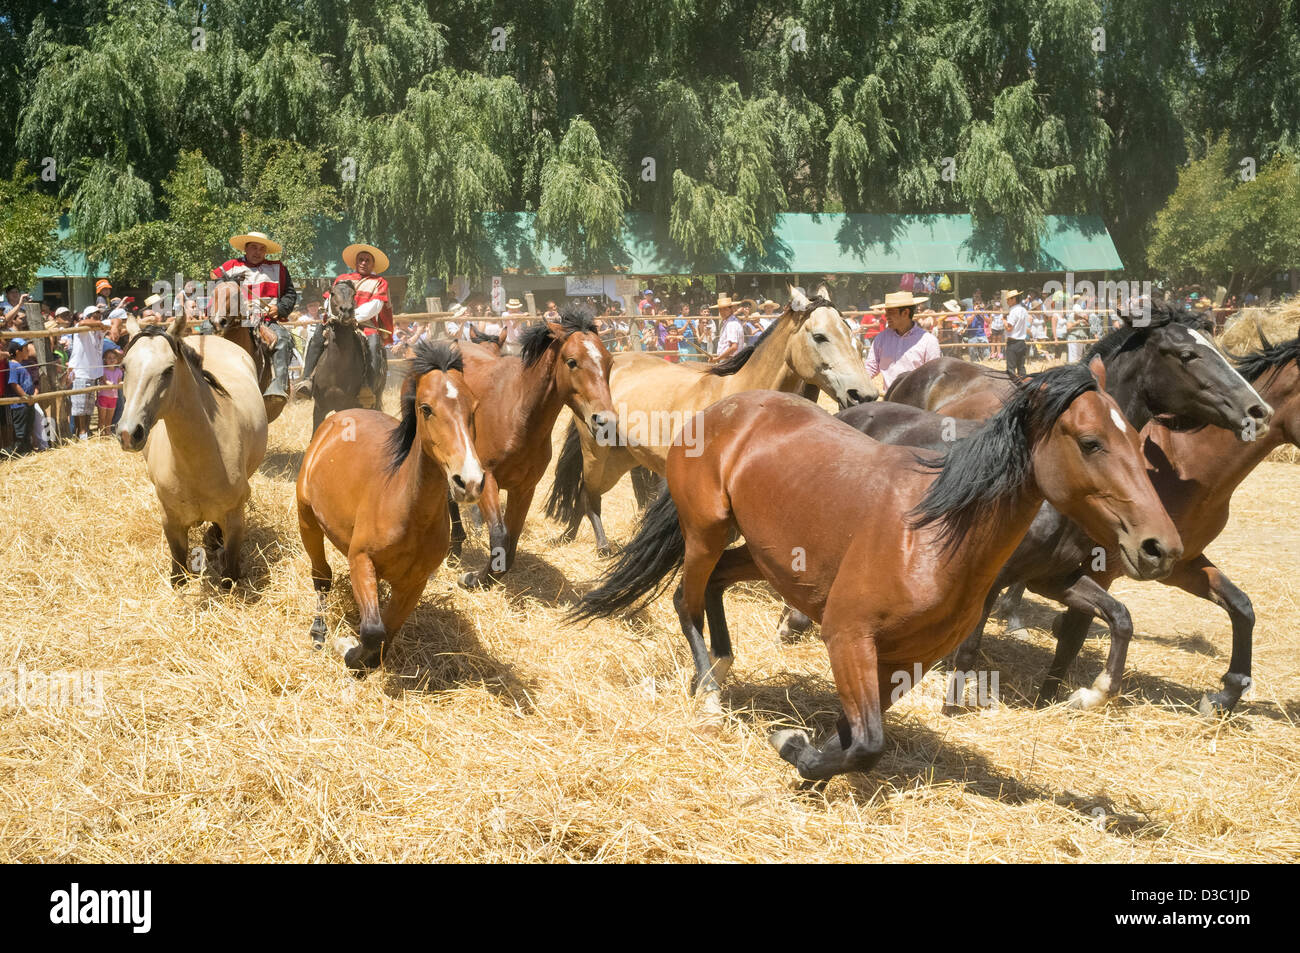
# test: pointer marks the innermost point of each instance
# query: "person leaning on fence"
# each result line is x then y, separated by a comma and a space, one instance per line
904, 345
86, 364
265, 281
1017, 324
19, 383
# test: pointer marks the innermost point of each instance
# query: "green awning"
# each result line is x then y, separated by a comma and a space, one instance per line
813, 243
67, 263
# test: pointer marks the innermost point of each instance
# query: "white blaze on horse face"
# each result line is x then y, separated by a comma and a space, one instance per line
451, 390
594, 351
1200, 339
1119, 420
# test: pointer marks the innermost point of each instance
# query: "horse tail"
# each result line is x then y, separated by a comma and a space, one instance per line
644, 569
562, 504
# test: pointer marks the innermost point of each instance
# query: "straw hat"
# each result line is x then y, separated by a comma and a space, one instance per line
951, 305
769, 306
152, 300
350, 257
749, 303
724, 301
514, 304
1013, 293
239, 241
900, 299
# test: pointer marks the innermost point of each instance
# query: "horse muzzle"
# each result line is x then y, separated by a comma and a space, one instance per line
134, 438
466, 484
1151, 557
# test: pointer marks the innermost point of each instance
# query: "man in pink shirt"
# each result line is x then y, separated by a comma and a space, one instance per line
904, 345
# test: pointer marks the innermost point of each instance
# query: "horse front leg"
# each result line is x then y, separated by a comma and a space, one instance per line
859, 740
365, 587
1200, 577
178, 542
489, 504
1084, 598
232, 536
322, 580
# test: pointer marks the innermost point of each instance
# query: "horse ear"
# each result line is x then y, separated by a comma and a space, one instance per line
556, 329
798, 300
823, 292
1259, 329
1098, 368
177, 327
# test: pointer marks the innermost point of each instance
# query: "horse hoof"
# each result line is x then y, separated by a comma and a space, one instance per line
469, 580
360, 659
1215, 705
721, 666
1087, 698
604, 552
789, 742
318, 635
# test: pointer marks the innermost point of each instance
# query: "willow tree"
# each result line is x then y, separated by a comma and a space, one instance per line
582, 200
426, 175
28, 232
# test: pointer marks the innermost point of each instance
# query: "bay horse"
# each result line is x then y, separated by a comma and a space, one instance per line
1196, 472
194, 409
561, 363
341, 370
861, 563
378, 489
806, 349
247, 333
1169, 373
953, 387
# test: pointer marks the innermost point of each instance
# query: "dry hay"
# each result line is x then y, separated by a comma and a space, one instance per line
496, 733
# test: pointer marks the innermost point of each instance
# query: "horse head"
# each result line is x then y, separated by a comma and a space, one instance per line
341, 306
581, 366
823, 351
149, 370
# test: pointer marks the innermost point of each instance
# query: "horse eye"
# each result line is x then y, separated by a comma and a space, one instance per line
426, 410
819, 338
573, 365
1090, 445
1188, 356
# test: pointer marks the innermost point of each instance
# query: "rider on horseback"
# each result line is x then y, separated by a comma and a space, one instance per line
367, 264
268, 284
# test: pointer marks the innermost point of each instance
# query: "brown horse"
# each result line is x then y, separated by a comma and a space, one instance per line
862, 563
378, 489
561, 364
808, 348
1196, 472
246, 332
954, 388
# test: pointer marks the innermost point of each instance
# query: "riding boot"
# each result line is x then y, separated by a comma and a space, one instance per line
315, 346
378, 367
280, 357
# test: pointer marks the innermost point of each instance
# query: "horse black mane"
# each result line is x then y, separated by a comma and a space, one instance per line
534, 341
984, 473
1130, 338
1272, 356
428, 356
182, 353
479, 337
741, 357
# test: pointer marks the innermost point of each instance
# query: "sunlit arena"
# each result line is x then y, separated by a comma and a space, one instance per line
428, 438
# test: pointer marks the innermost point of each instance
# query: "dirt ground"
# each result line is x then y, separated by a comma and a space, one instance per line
496, 733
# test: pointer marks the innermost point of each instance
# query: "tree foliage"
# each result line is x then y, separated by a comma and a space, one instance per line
27, 234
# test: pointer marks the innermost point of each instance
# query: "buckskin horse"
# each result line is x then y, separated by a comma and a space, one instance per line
193, 407
562, 363
378, 489
1195, 472
806, 349
247, 333
861, 563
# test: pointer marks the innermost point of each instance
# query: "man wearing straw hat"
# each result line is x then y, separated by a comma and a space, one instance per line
732, 336
1017, 331
368, 263
268, 283
904, 345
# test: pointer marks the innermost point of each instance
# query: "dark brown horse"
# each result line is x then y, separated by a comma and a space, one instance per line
1196, 472
378, 489
247, 332
562, 364
861, 562
336, 384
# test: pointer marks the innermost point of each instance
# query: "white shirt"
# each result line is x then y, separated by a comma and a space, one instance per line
1017, 322
893, 354
86, 355
733, 332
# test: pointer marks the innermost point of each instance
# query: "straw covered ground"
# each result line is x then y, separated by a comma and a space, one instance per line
495, 733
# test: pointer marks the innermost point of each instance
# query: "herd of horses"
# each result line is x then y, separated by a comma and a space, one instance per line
893, 523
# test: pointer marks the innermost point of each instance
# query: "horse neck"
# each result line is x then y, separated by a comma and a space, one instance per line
540, 398
421, 483
191, 421
766, 368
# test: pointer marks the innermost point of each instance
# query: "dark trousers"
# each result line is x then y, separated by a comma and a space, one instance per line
1016, 353
23, 417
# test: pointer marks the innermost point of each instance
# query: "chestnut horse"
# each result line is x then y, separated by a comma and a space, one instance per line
807, 348
954, 388
378, 489
245, 332
861, 563
561, 364
1196, 472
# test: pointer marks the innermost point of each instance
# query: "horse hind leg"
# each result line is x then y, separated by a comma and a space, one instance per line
735, 565
793, 625
178, 541
231, 535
